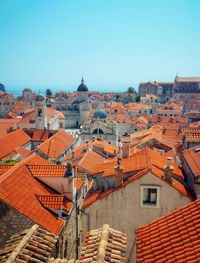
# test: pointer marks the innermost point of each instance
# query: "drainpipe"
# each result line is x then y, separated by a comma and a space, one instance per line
88, 220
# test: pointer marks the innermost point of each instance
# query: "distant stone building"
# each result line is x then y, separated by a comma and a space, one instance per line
163, 90
40, 113
75, 108
186, 89
99, 127
27, 94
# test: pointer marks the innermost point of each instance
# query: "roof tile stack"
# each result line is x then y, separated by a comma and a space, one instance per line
31, 245
104, 245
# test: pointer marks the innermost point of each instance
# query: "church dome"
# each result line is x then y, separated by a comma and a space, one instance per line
75, 102
40, 97
82, 86
100, 114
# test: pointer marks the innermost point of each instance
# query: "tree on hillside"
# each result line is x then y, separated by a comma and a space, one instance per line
131, 90
48, 92
137, 98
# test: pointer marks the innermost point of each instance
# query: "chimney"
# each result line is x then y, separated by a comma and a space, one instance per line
72, 154
169, 170
125, 139
84, 149
164, 130
119, 173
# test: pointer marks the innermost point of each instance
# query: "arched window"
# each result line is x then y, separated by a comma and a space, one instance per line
98, 131
39, 112
95, 131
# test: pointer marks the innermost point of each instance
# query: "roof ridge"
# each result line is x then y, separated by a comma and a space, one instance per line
147, 157
16, 166
22, 244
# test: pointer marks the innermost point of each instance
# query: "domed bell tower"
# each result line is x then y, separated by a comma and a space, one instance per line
82, 92
40, 113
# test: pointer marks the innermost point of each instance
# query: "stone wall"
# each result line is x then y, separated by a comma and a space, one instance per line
11, 222
71, 238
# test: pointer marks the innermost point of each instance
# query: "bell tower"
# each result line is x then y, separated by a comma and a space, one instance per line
40, 113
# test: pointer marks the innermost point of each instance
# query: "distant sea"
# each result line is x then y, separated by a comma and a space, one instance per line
16, 90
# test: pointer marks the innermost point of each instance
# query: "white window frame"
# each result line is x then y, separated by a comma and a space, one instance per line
157, 187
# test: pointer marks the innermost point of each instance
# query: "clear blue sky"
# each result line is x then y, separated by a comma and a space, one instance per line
44, 42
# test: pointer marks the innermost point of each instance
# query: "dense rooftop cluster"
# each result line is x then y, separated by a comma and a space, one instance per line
90, 177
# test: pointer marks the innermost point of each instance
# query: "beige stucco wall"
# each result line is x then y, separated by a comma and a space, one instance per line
121, 209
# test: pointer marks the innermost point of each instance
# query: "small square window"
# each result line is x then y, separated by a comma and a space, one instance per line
150, 196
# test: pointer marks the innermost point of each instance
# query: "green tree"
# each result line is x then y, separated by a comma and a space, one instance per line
48, 92
137, 98
131, 90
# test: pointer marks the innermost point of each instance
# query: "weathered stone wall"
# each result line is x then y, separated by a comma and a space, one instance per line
11, 222
71, 238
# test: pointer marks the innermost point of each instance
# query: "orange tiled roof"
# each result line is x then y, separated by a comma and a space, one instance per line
193, 159
10, 115
172, 238
12, 141
96, 146
55, 201
36, 159
56, 145
191, 134
19, 190
27, 117
6, 124
79, 184
4, 168
40, 135
22, 151
89, 161
47, 170
141, 162
18, 107
145, 158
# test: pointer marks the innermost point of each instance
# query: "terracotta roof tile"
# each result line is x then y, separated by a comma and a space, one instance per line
40, 135
55, 201
89, 161
30, 245
56, 145
136, 162
104, 245
191, 134
192, 158
12, 141
19, 190
178, 233
4, 168
23, 152
6, 124
18, 107
47, 170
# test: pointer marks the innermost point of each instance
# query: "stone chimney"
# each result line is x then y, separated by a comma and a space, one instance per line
169, 170
119, 173
125, 139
